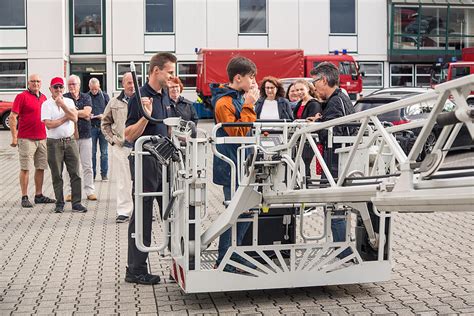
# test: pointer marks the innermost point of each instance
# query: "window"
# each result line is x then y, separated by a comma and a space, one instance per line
147, 70
12, 75
347, 68
461, 21
253, 16
12, 13
122, 68
432, 27
187, 73
87, 17
343, 16
422, 75
401, 75
159, 16
458, 72
373, 74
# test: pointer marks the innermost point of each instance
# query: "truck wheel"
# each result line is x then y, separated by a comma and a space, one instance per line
6, 120
470, 101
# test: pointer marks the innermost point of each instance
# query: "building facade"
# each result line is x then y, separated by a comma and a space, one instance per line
395, 42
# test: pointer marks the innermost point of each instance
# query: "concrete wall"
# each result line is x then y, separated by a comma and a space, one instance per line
372, 37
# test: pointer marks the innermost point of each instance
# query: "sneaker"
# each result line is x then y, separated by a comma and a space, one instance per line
59, 209
79, 208
121, 219
146, 279
68, 198
25, 202
92, 197
105, 179
41, 199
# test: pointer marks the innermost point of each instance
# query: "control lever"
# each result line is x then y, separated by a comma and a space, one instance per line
162, 149
286, 222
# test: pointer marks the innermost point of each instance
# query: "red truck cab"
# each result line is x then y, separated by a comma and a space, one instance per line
349, 76
445, 71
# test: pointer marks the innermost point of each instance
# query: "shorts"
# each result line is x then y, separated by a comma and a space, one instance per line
35, 150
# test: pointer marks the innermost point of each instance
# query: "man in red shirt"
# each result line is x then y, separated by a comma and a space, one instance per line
30, 137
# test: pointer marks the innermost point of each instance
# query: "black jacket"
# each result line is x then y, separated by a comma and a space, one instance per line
284, 108
338, 105
311, 108
183, 108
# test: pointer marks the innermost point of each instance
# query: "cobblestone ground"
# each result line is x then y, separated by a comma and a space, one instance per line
75, 263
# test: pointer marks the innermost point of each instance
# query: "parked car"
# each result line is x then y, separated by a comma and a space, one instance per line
411, 113
5, 109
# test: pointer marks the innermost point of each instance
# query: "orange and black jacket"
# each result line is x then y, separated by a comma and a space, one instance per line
229, 107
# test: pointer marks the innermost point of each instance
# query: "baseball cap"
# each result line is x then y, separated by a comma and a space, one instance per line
57, 80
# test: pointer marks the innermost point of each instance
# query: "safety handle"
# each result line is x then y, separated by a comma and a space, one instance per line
238, 124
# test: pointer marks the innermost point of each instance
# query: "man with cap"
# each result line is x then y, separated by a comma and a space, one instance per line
59, 115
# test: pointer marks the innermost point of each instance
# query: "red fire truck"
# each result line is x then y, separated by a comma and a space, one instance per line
280, 63
445, 71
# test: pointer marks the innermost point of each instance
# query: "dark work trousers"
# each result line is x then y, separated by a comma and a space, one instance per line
308, 156
307, 166
60, 152
151, 174
338, 225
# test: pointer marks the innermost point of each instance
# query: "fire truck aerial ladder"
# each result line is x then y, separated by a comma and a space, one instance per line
376, 178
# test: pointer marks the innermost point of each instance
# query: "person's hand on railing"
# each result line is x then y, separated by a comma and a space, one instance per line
315, 118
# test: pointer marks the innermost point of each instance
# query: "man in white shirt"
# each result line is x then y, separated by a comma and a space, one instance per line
59, 115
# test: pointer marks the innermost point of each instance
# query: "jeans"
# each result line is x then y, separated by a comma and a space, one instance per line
225, 240
338, 228
98, 136
338, 225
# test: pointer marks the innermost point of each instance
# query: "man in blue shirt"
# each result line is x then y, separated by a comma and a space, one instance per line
99, 102
156, 103
83, 104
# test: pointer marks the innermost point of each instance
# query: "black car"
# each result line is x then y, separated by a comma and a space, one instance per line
411, 113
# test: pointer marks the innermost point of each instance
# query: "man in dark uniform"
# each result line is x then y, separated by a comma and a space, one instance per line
156, 103
337, 104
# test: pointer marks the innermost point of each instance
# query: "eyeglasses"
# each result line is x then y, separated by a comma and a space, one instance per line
270, 88
35, 81
58, 86
317, 79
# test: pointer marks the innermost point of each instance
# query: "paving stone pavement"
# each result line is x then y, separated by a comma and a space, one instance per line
75, 264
